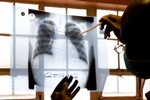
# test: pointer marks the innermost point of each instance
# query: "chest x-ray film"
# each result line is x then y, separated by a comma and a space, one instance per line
48, 47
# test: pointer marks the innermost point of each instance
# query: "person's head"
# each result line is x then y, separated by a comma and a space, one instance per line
135, 30
135, 21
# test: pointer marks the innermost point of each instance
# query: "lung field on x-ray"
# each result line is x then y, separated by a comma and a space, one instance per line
73, 33
46, 33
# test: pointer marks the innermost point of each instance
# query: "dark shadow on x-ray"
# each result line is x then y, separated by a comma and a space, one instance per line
91, 82
38, 13
30, 73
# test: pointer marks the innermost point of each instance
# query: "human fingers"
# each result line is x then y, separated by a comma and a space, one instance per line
107, 32
66, 93
73, 86
73, 90
103, 21
69, 79
64, 87
73, 94
109, 20
59, 86
102, 26
114, 18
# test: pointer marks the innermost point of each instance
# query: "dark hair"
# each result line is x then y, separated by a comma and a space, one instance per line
135, 20
135, 28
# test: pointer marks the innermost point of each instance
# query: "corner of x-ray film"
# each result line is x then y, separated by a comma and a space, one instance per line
55, 49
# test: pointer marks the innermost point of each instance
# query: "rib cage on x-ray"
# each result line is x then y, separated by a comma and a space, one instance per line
73, 33
46, 33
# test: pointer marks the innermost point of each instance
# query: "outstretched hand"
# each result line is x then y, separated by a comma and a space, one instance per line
112, 23
63, 91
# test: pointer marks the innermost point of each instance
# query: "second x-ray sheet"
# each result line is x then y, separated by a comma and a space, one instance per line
55, 49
